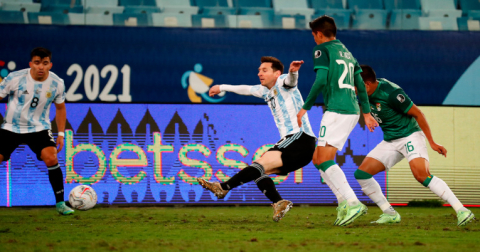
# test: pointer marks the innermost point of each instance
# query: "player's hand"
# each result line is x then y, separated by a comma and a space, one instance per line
295, 65
439, 148
214, 90
299, 117
59, 143
370, 122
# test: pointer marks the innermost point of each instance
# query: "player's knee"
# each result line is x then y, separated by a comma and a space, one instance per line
420, 178
359, 174
49, 159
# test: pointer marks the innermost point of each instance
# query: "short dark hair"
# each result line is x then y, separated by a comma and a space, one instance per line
368, 74
324, 24
41, 52
276, 63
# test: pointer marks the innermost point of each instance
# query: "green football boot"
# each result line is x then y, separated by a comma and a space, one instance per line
387, 218
63, 209
341, 211
353, 212
464, 217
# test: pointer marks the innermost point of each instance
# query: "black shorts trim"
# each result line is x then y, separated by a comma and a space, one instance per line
37, 141
297, 151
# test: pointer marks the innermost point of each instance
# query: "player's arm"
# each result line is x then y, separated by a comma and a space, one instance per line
238, 89
320, 82
363, 97
5, 87
60, 114
60, 119
416, 113
292, 78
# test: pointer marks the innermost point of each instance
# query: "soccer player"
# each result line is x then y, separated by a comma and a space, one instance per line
30, 93
404, 131
337, 75
297, 143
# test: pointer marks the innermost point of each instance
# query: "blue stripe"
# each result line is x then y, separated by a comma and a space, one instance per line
306, 127
22, 86
290, 140
286, 143
46, 121
281, 102
16, 74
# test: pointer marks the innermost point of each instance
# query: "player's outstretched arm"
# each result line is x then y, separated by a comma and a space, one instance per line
60, 118
238, 89
416, 113
215, 90
295, 66
292, 77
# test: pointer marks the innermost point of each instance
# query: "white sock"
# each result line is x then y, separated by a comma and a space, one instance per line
339, 181
440, 188
339, 196
372, 189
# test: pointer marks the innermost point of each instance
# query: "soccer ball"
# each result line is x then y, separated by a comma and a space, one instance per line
82, 197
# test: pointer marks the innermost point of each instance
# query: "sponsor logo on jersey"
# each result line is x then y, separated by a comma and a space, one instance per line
25, 92
379, 107
400, 98
196, 83
318, 53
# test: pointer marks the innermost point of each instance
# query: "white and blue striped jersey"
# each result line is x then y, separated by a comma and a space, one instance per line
28, 108
284, 101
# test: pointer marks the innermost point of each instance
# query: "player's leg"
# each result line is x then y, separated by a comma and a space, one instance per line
250, 173
44, 146
269, 162
370, 187
419, 164
296, 152
342, 203
334, 131
420, 170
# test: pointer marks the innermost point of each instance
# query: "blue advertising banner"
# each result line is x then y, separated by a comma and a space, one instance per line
171, 65
139, 153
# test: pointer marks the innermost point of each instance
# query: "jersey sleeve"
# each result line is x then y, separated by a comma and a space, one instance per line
257, 91
357, 69
320, 58
60, 96
317, 87
400, 101
5, 86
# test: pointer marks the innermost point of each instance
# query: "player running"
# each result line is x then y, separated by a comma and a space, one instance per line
297, 143
338, 73
404, 129
30, 93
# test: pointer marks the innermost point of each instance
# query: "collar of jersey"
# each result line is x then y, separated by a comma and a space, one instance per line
376, 90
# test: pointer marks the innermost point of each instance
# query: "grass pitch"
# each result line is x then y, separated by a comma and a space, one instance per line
231, 229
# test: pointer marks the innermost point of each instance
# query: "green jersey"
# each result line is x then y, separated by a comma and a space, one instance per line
389, 106
341, 80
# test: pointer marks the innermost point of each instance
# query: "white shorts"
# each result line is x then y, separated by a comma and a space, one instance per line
392, 152
335, 129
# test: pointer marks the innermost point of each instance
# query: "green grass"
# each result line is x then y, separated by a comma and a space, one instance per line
231, 229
